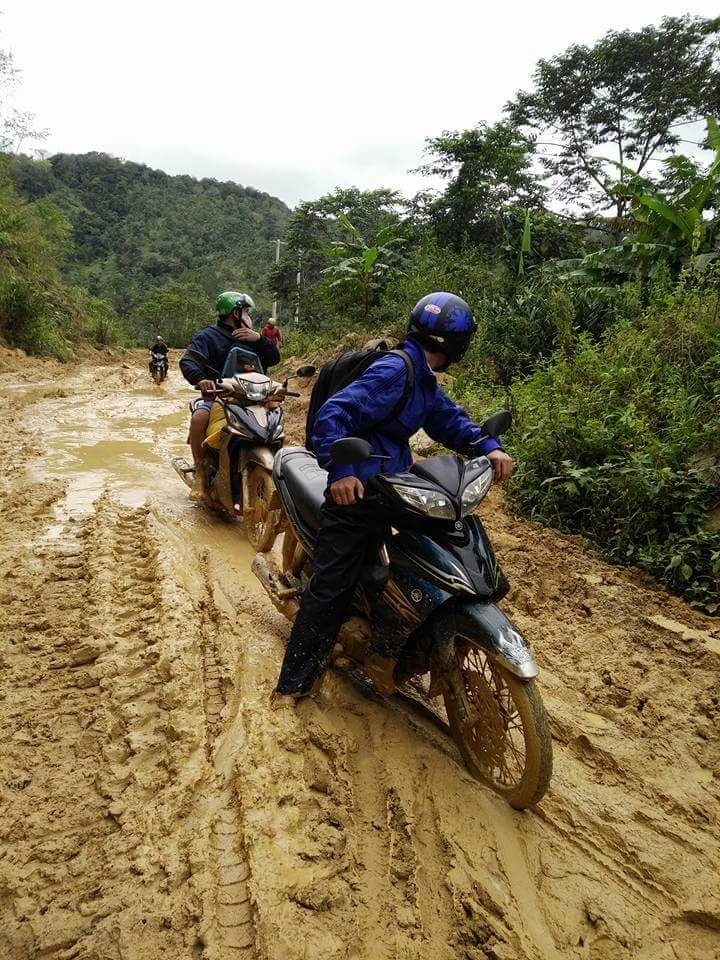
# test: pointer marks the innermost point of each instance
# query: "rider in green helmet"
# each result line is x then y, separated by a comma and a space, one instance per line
203, 362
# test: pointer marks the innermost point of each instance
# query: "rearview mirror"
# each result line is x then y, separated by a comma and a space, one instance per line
306, 371
497, 424
350, 451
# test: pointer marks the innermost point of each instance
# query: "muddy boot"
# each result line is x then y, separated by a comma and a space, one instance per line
307, 655
381, 659
198, 491
380, 670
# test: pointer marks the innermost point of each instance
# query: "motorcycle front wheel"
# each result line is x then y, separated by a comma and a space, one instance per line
499, 723
260, 519
157, 377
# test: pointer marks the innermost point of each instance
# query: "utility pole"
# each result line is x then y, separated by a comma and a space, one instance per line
277, 260
298, 281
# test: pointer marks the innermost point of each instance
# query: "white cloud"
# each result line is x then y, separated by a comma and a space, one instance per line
290, 98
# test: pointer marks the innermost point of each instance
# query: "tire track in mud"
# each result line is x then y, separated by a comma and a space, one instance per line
214, 700
152, 804
231, 929
389, 917
91, 700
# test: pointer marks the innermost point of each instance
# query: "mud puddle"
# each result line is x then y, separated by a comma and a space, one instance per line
116, 435
152, 804
123, 440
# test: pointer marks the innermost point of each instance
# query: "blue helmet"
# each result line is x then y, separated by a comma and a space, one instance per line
442, 323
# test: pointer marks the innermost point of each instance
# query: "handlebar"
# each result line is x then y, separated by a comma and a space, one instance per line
218, 391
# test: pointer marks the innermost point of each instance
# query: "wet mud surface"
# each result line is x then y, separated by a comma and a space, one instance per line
153, 805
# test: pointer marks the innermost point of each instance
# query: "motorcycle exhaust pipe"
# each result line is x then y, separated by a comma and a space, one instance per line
284, 599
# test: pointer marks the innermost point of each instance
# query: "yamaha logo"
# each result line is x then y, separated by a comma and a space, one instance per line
416, 595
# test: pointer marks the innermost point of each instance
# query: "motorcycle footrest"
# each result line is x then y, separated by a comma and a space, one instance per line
271, 578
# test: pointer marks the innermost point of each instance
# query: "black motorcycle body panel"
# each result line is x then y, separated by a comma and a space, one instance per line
245, 427
405, 604
460, 561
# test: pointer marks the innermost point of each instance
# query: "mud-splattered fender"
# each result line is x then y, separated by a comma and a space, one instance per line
260, 455
264, 458
485, 625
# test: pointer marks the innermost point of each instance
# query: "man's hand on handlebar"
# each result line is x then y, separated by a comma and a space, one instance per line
503, 465
346, 491
206, 385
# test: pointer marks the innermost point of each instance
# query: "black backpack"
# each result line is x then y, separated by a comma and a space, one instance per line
343, 370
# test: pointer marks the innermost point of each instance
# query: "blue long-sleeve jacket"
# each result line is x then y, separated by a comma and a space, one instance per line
356, 411
207, 352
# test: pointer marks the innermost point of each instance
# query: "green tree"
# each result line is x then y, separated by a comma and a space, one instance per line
135, 228
174, 312
313, 227
38, 312
676, 221
489, 171
626, 96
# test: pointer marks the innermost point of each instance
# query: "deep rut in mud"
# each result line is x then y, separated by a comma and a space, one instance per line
154, 806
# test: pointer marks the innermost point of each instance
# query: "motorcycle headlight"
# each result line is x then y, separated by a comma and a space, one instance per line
475, 491
256, 392
432, 502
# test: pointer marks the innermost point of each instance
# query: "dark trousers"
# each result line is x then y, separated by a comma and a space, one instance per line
348, 536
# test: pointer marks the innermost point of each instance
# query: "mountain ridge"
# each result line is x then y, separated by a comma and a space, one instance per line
136, 228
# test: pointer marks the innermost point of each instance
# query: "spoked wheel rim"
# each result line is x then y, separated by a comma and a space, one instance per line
494, 729
499, 723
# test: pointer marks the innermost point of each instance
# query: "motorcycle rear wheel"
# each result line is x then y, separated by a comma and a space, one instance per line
260, 519
499, 723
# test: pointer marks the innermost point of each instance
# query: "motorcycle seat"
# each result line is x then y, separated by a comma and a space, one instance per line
301, 483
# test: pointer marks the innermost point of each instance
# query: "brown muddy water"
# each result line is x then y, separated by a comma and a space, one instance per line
153, 805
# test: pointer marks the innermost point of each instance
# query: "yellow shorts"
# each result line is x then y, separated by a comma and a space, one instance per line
215, 426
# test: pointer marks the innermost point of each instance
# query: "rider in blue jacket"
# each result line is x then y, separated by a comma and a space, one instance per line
439, 332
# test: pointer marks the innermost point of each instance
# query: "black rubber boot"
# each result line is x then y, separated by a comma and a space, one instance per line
307, 654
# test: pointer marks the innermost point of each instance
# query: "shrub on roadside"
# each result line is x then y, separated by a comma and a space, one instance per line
38, 312
620, 441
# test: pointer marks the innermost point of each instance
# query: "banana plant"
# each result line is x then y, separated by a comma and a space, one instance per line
678, 221
362, 268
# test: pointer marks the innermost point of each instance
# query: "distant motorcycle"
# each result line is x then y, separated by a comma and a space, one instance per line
158, 366
432, 592
246, 428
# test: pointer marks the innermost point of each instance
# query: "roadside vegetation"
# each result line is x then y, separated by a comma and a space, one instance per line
583, 226
584, 229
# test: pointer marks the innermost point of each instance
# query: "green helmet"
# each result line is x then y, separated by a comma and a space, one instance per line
231, 299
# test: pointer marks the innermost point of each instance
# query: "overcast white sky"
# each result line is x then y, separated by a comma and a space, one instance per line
293, 98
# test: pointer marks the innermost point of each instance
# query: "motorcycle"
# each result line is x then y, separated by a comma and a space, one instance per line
432, 593
246, 428
158, 366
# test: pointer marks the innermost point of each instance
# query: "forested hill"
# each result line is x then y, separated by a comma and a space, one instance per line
136, 229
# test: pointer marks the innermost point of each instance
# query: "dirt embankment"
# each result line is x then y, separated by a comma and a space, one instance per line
153, 806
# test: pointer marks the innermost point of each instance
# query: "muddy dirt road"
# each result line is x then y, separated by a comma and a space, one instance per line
153, 806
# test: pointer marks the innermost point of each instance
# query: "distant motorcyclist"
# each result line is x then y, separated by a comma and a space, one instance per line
204, 359
439, 332
272, 331
158, 350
